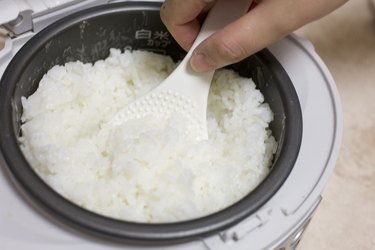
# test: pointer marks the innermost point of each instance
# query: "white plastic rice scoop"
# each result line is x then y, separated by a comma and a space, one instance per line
185, 92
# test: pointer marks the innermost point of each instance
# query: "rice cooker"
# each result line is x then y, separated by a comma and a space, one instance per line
277, 223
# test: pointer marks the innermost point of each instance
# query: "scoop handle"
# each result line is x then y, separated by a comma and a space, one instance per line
221, 14
186, 89
193, 85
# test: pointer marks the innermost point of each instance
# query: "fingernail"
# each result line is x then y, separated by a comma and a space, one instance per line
199, 62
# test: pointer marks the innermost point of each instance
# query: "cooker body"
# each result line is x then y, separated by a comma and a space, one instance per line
87, 36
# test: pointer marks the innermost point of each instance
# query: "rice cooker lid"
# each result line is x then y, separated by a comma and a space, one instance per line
300, 194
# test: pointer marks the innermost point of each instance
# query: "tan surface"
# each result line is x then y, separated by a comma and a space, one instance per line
3, 33
346, 217
346, 42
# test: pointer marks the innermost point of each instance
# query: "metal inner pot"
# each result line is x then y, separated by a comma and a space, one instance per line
87, 36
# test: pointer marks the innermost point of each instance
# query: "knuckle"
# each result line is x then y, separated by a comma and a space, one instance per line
168, 11
163, 14
231, 51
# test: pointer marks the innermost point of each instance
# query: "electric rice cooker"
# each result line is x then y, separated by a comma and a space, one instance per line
294, 80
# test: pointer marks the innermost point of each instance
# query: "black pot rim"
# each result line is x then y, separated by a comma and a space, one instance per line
139, 233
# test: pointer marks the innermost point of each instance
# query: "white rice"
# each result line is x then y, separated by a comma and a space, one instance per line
145, 170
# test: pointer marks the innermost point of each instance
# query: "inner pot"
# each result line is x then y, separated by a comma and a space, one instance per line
87, 36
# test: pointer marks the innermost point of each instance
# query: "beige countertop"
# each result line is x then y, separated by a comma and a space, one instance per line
345, 40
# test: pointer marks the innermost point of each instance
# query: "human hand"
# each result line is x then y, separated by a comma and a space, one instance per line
267, 22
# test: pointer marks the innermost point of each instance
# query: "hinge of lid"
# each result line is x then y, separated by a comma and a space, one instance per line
33, 15
16, 16
21, 24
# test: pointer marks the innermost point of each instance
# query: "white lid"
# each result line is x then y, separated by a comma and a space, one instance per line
9, 11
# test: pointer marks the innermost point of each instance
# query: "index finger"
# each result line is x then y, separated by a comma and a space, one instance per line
181, 19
